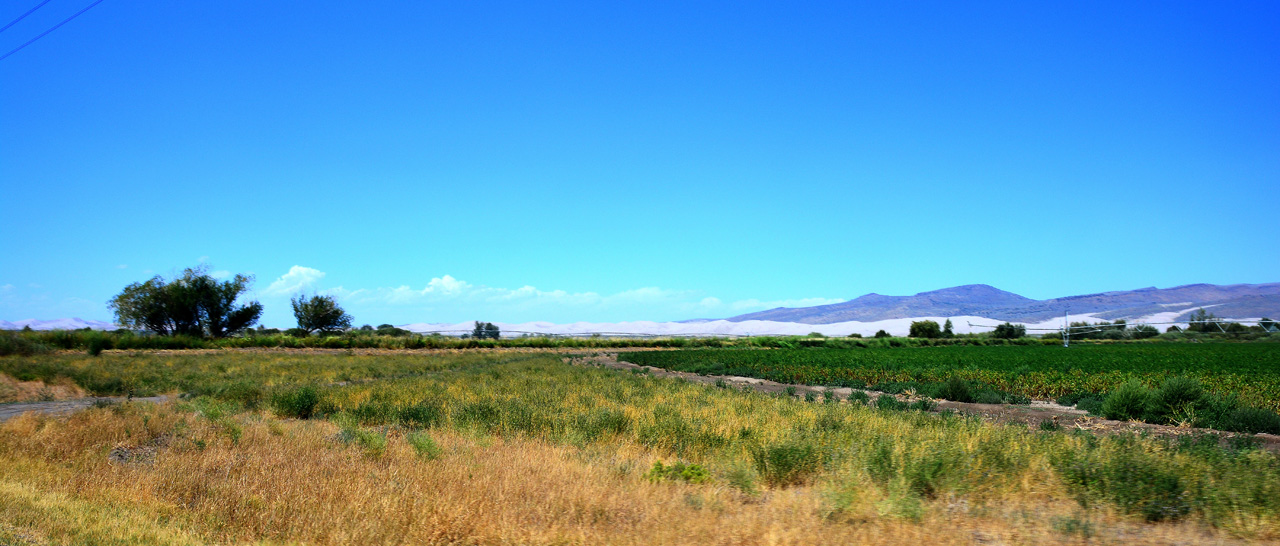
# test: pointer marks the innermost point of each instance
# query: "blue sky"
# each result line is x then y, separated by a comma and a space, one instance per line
442, 162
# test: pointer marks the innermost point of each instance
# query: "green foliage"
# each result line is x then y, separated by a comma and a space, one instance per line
957, 390
423, 445
1177, 400
12, 343
319, 314
1143, 331
926, 329
486, 330
1128, 402
300, 403
1009, 331
787, 463
194, 304
882, 334
1136, 482
890, 402
679, 471
1250, 370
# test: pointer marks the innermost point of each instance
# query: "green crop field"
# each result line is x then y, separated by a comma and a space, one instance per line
1249, 370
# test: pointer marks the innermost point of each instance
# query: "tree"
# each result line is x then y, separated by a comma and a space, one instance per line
195, 304
946, 330
926, 329
486, 330
1009, 331
1202, 321
319, 313
882, 333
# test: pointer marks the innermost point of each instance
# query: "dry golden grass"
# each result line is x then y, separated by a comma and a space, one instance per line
12, 390
250, 478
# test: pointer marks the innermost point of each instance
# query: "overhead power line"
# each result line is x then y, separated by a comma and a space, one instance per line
51, 29
23, 15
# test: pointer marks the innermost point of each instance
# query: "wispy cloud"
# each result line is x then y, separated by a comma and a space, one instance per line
447, 296
122, 266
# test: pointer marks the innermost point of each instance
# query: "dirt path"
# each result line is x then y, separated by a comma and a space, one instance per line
9, 411
1032, 414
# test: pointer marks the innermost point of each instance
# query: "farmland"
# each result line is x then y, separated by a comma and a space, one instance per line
489, 447
1249, 370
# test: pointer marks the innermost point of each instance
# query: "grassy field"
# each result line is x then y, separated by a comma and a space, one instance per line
491, 447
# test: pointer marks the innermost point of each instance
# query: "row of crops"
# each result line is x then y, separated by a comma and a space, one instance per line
1250, 371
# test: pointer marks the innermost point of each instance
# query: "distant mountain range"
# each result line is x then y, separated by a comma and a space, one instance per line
1238, 301
57, 324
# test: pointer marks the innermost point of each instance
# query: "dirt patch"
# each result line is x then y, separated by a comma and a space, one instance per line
1033, 414
12, 390
9, 411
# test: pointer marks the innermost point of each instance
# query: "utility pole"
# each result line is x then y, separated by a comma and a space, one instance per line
1066, 329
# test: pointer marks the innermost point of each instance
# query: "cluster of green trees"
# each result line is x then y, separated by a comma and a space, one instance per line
484, 330
1206, 322
196, 304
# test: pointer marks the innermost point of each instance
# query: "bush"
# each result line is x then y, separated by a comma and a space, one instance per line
927, 329
787, 463
1252, 421
1176, 400
1134, 481
1009, 331
679, 471
423, 445
17, 344
956, 390
882, 334
1130, 401
300, 403
889, 402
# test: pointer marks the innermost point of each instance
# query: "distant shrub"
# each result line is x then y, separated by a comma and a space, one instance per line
1130, 401
1143, 331
17, 344
925, 329
882, 334
1009, 331
859, 397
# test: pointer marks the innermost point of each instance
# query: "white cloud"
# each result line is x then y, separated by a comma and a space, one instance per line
6, 287
220, 274
122, 266
298, 279
447, 296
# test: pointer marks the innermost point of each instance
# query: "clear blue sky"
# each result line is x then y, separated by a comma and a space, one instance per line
440, 162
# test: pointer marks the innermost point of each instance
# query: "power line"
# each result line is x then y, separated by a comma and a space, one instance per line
23, 16
55, 27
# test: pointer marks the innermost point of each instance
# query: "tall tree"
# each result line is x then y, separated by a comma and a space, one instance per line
319, 313
194, 304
